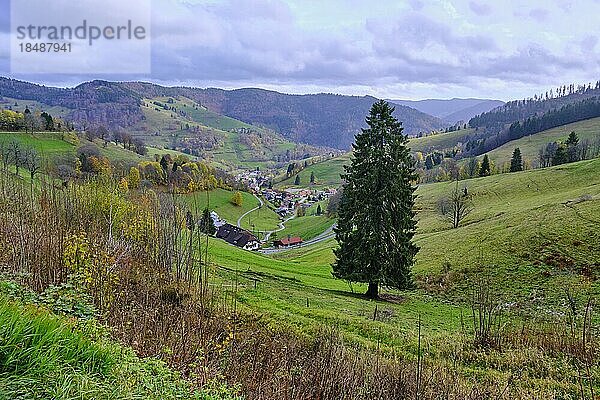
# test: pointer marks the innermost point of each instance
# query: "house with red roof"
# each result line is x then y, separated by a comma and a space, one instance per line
288, 241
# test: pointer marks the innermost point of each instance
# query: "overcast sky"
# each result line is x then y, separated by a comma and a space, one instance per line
410, 49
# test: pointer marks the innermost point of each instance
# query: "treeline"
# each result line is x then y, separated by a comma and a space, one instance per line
585, 109
178, 172
522, 109
440, 167
482, 142
571, 150
15, 121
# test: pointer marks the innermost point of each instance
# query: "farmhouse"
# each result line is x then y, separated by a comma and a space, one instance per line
238, 237
289, 241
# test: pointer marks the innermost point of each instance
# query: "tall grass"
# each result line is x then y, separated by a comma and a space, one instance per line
46, 356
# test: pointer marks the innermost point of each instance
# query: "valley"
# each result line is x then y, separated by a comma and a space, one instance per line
159, 192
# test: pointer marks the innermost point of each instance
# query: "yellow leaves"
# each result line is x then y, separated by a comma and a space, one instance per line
124, 185
91, 267
134, 178
237, 199
193, 186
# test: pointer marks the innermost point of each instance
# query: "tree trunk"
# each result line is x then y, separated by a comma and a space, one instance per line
373, 290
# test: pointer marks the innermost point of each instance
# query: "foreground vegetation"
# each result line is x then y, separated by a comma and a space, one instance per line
49, 356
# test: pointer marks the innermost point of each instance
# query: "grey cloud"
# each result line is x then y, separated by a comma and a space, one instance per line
589, 43
260, 41
416, 5
539, 14
480, 9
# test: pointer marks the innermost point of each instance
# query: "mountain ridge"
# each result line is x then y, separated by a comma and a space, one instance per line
323, 119
452, 110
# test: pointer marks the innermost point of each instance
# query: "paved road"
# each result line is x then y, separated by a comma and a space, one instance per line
267, 234
328, 234
260, 204
281, 227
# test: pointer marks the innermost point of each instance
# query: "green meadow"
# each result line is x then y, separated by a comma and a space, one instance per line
512, 240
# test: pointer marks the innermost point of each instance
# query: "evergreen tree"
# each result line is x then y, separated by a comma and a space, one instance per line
516, 162
319, 210
485, 169
573, 140
573, 151
297, 180
376, 213
207, 225
312, 177
560, 156
429, 162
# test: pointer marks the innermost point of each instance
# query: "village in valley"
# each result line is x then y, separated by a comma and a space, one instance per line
288, 203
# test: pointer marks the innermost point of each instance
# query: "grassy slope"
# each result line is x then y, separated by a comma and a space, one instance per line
46, 356
530, 145
220, 203
48, 145
283, 287
231, 155
515, 238
55, 111
440, 141
306, 227
327, 174
309, 226
51, 145
262, 219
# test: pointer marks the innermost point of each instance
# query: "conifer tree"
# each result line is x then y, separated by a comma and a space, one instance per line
573, 140
560, 156
207, 225
376, 221
297, 180
485, 168
516, 162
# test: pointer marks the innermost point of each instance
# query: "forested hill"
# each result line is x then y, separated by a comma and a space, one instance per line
519, 110
521, 118
319, 119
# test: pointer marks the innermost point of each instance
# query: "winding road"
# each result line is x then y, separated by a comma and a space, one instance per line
260, 204
327, 234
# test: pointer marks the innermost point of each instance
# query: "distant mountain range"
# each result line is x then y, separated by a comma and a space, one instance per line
453, 110
319, 119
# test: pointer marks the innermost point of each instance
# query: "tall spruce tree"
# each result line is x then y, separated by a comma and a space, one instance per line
376, 217
485, 168
573, 140
516, 162
207, 224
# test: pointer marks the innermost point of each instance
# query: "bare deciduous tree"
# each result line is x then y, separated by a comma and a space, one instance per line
16, 154
456, 206
31, 161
